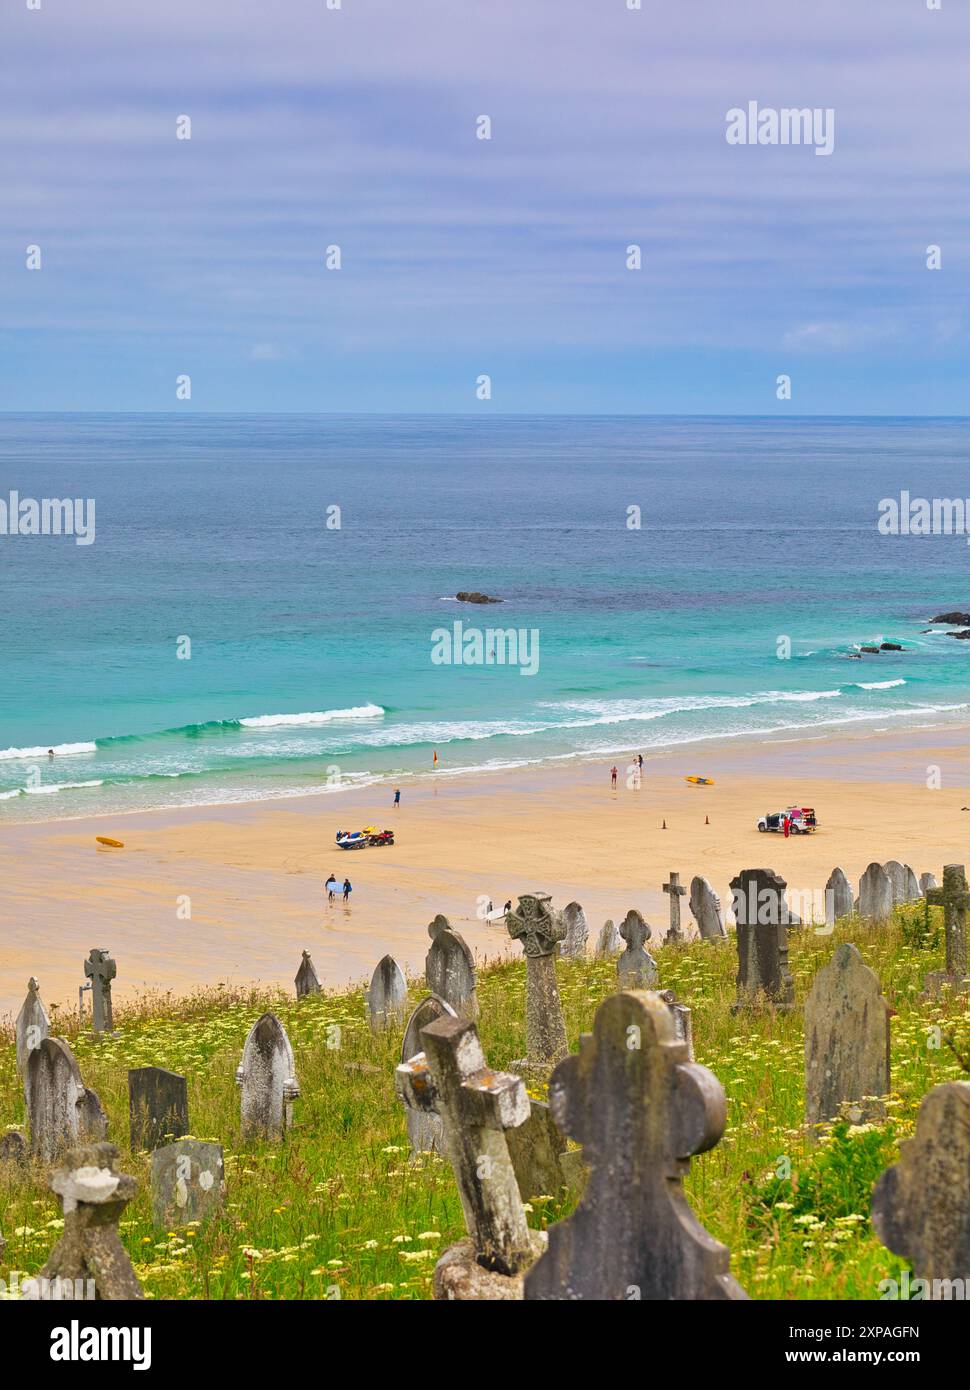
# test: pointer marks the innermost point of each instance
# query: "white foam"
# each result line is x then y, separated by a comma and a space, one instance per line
62, 750
313, 718
878, 685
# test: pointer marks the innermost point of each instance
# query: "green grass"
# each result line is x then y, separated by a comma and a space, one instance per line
338, 1211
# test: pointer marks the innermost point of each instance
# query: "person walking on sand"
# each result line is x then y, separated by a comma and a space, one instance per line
397, 797
613, 776
640, 761
331, 888
347, 890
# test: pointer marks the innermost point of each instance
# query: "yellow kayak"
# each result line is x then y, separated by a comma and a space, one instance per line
700, 781
104, 840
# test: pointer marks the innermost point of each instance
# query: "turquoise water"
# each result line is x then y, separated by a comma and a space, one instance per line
311, 648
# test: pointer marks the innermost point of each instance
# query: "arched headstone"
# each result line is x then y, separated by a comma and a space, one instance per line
32, 1026
267, 1078
838, 897
609, 943
388, 995
424, 1127
846, 1041
577, 931
61, 1110
875, 894
705, 908
449, 968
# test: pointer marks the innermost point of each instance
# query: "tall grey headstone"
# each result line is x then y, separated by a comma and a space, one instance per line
306, 981
158, 1107
609, 943
927, 881
61, 1110
640, 1114
636, 968
913, 890
577, 931
449, 968
32, 1026
267, 1079
875, 894
761, 913
846, 1042
705, 908
424, 1127
683, 1023
188, 1182
387, 997
838, 897
902, 880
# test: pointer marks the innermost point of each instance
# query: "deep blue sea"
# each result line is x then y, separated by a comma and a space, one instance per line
311, 647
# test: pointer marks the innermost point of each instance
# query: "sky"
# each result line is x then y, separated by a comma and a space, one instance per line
314, 127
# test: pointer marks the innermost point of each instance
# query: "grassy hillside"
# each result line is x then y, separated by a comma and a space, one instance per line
338, 1211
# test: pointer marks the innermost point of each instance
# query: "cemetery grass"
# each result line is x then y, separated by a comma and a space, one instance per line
337, 1210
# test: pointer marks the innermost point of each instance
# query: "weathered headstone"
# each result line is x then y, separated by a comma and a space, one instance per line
13, 1147
927, 881
100, 969
705, 908
954, 898
875, 894
61, 1110
846, 1042
640, 1113
636, 968
921, 1205
93, 1197
913, 890
387, 997
762, 940
676, 891
267, 1077
306, 981
188, 1182
32, 1026
577, 931
540, 930
683, 1022
449, 968
903, 881
476, 1105
838, 897
609, 943
158, 1106
424, 1127
537, 1148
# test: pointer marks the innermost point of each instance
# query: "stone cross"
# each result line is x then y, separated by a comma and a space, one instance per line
61, 1110
307, 981
32, 1026
387, 997
762, 940
577, 931
540, 931
676, 891
100, 969
449, 968
921, 1205
158, 1107
705, 908
267, 1076
838, 897
875, 894
609, 942
188, 1182
636, 968
93, 1197
954, 898
846, 1042
476, 1105
424, 1126
640, 1111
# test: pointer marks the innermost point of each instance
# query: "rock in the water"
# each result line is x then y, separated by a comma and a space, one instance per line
473, 596
954, 619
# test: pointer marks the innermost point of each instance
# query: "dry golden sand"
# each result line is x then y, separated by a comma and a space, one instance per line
255, 874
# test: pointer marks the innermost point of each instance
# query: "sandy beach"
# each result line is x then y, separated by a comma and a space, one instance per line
252, 876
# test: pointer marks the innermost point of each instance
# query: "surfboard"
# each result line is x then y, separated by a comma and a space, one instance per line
700, 781
104, 840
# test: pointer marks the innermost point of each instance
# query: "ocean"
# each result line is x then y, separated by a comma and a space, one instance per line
314, 652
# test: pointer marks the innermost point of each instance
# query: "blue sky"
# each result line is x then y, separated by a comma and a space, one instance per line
356, 127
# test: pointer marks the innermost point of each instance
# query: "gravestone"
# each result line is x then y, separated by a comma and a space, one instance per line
762, 940
100, 969
913, 891
927, 881
424, 1127
683, 1023
676, 891
267, 1077
903, 881
32, 1026
449, 969
640, 1113
838, 897
954, 898
846, 1042
636, 968
306, 981
540, 930
609, 943
158, 1107
188, 1182
387, 997
537, 1148
93, 1198
61, 1110
921, 1205
477, 1106
13, 1147
875, 894
705, 908
577, 931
